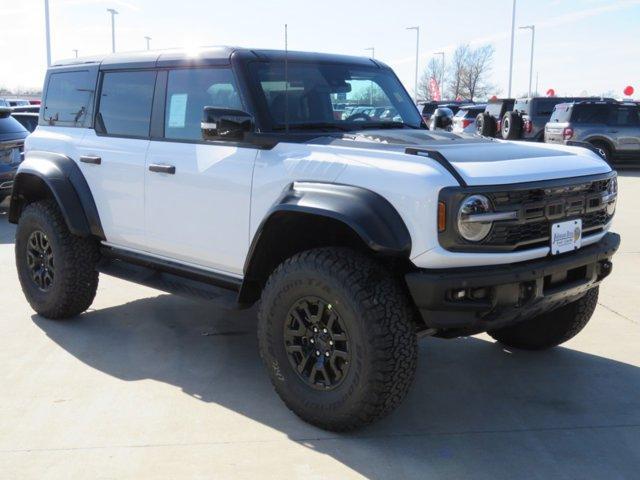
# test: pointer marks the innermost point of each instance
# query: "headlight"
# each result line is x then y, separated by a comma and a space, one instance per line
471, 228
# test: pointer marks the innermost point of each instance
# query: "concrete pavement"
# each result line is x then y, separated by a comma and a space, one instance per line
149, 385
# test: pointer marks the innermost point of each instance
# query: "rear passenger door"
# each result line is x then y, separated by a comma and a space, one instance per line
112, 156
197, 193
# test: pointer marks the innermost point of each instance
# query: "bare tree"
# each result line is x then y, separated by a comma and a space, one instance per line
456, 71
433, 70
477, 67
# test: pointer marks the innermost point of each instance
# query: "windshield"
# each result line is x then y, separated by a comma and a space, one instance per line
332, 97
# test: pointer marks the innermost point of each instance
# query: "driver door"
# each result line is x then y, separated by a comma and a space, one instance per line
197, 193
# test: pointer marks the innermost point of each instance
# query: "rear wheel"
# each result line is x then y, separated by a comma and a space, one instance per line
336, 335
550, 329
604, 150
57, 270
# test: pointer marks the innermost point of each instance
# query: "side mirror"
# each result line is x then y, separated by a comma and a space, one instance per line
225, 124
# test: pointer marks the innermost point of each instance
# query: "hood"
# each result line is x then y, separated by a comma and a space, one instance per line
479, 160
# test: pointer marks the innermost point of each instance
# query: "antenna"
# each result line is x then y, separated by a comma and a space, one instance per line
286, 78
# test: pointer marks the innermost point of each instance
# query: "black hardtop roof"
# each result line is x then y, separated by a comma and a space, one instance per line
204, 56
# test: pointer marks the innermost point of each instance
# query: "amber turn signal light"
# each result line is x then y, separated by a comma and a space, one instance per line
442, 217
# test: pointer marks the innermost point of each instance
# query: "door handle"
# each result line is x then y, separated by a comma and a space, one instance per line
93, 160
170, 169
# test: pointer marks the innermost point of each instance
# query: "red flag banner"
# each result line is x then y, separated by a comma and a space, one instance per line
434, 90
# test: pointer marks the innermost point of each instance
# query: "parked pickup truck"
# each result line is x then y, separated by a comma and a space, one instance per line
227, 176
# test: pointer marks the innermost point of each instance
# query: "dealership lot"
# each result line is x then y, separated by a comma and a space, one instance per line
149, 385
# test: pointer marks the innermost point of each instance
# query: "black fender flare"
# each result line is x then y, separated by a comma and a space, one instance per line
369, 215
66, 183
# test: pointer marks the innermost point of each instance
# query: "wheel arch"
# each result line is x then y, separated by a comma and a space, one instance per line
317, 215
602, 139
47, 175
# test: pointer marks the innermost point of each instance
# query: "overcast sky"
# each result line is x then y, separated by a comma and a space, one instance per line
581, 45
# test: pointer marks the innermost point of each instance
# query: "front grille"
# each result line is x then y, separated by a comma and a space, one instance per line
539, 208
538, 205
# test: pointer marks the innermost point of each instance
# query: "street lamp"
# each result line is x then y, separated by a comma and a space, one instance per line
441, 75
372, 50
533, 40
148, 39
513, 29
415, 91
47, 32
75, 51
113, 28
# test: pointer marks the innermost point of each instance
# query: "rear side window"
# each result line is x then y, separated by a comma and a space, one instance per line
593, 113
544, 106
624, 116
68, 98
189, 91
125, 103
494, 109
429, 108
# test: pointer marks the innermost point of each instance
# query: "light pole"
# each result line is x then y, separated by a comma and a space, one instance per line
372, 50
415, 90
513, 29
148, 39
47, 32
113, 28
533, 40
441, 75
75, 51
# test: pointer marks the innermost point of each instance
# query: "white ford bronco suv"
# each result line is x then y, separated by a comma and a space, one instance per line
233, 175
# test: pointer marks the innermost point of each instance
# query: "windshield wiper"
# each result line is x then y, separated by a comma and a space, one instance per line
314, 126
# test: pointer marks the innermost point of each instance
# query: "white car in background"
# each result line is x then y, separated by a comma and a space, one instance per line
464, 120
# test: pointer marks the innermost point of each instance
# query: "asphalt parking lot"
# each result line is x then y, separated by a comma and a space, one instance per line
149, 385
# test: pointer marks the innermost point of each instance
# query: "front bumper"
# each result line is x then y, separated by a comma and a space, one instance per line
472, 300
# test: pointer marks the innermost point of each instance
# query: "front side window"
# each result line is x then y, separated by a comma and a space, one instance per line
189, 91
68, 98
125, 103
327, 96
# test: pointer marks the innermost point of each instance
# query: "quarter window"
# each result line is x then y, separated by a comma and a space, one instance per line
68, 98
125, 103
189, 91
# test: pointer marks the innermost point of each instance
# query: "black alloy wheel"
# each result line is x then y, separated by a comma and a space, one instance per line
317, 343
40, 260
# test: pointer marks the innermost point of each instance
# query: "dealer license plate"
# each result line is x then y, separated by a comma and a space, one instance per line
566, 236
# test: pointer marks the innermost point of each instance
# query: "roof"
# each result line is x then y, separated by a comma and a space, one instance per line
207, 56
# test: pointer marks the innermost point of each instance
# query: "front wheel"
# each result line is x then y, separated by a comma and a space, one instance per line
57, 270
552, 328
336, 334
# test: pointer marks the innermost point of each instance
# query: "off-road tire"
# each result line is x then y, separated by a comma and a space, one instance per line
76, 279
550, 329
382, 338
511, 126
604, 148
486, 125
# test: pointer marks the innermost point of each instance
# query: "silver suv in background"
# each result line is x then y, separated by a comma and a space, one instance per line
610, 126
464, 121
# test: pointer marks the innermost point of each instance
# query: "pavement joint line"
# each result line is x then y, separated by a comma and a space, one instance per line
619, 314
420, 433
